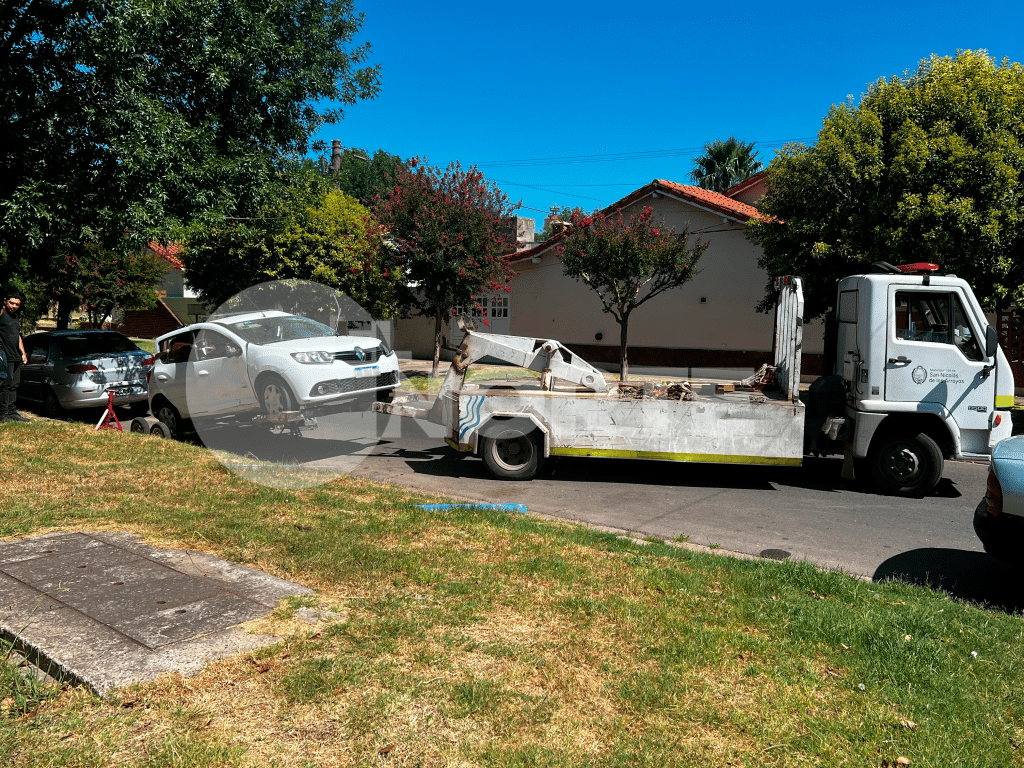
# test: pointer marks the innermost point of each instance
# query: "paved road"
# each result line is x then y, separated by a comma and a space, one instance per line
804, 513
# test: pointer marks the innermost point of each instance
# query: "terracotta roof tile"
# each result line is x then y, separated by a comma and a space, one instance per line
702, 198
168, 252
735, 189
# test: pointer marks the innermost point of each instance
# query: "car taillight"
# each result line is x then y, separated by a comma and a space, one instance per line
81, 368
993, 495
148, 364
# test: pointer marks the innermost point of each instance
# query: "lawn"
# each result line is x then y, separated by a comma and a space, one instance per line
471, 638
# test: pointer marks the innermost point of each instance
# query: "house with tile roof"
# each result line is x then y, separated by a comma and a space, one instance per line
709, 326
176, 306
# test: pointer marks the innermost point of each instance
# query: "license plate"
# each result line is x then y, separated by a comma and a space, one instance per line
366, 370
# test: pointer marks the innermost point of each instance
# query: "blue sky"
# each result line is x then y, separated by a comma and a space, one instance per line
578, 103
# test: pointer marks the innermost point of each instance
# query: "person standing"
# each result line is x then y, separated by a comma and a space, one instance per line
14, 349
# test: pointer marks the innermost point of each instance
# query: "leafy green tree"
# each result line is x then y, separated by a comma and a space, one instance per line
725, 164
451, 232
122, 120
364, 177
926, 168
306, 231
627, 262
96, 280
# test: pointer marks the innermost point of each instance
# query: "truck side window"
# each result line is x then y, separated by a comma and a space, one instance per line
963, 334
937, 318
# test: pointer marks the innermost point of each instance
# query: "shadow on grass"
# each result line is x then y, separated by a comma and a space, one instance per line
974, 576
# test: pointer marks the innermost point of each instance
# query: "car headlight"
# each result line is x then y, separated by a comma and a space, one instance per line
313, 357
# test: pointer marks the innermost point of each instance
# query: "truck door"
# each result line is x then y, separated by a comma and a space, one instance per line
935, 354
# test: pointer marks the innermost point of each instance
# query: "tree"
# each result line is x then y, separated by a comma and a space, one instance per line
304, 231
627, 262
926, 168
452, 235
725, 164
364, 177
97, 280
122, 121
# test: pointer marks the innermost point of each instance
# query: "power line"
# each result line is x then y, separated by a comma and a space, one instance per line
621, 156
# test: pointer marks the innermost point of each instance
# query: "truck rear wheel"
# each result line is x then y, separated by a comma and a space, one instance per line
906, 464
512, 454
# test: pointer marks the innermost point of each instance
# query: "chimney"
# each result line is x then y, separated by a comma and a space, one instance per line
335, 155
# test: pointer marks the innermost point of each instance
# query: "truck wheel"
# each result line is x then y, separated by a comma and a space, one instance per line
512, 455
906, 464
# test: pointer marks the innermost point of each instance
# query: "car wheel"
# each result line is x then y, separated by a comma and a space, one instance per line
52, 408
512, 455
160, 429
138, 426
168, 415
906, 464
275, 397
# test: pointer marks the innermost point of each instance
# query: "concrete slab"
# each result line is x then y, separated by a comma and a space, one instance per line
106, 610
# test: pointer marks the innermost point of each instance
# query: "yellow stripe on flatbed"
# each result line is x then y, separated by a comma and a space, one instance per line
702, 458
1004, 401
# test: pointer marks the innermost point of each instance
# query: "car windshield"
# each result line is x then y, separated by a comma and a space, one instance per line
86, 344
269, 330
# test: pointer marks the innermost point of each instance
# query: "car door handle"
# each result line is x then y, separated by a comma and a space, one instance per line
901, 360
161, 377
202, 373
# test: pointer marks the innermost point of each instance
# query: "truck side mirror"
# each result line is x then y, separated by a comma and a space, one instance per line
991, 341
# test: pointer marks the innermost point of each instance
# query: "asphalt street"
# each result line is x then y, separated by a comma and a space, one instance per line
807, 513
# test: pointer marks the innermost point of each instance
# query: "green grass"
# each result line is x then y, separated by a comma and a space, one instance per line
481, 639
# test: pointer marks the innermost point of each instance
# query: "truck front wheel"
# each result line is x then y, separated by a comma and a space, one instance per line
512, 455
906, 464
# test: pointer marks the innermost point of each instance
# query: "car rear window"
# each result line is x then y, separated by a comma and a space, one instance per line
268, 330
95, 344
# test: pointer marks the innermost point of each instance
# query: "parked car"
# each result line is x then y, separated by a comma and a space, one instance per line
69, 370
269, 361
999, 518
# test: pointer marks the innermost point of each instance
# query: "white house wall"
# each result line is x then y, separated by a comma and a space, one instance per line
548, 304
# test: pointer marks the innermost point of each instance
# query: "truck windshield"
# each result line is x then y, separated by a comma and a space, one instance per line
269, 330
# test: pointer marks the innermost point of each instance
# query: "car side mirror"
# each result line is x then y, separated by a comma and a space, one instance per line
991, 341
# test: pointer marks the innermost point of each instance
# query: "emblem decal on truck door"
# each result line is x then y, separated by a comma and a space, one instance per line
920, 375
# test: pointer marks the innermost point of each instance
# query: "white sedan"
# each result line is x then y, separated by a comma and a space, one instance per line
267, 361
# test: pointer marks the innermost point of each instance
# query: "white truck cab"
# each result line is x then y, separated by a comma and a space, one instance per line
925, 377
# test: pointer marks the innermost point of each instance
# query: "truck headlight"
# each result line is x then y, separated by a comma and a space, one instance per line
313, 357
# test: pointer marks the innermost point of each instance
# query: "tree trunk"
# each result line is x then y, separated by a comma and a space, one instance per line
438, 317
65, 306
623, 350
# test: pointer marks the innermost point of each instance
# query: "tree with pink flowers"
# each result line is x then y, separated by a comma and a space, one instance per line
627, 261
453, 231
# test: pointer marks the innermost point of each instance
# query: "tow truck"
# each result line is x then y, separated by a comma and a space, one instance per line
918, 378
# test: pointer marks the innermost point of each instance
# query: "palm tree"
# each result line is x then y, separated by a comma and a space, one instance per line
725, 164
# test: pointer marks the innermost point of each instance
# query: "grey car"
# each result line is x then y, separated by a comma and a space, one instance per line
69, 370
999, 518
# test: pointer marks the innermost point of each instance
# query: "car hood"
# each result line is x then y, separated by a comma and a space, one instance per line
325, 343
